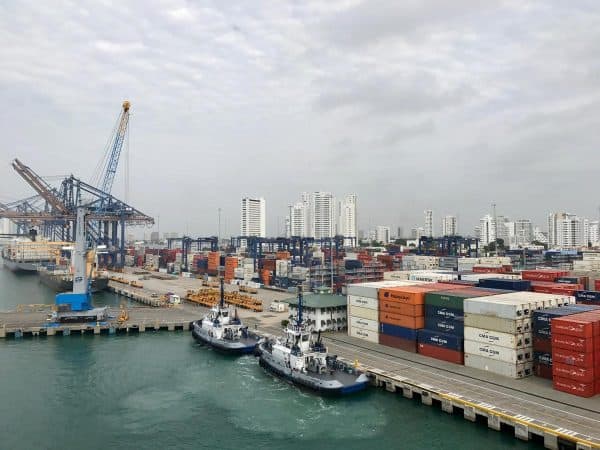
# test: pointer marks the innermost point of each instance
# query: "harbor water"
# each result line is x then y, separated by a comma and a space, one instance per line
162, 390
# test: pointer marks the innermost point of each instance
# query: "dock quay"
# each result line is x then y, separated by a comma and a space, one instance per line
137, 294
19, 324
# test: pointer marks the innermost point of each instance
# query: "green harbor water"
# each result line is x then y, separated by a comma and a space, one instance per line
161, 390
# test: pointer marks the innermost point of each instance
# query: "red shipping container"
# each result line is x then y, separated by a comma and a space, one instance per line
443, 354
560, 355
486, 269
581, 374
597, 285
543, 371
542, 345
542, 275
396, 342
585, 325
574, 387
577, 344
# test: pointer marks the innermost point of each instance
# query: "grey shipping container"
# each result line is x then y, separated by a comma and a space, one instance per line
511, 326
520, 370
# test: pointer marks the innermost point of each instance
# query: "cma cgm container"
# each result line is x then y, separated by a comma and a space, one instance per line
367, 335
507, 369
510, 355
452, 326
493, 337
445, 340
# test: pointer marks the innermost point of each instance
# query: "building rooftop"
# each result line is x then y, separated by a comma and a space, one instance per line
318, 300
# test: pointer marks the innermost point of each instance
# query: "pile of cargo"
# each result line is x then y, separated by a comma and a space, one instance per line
442, 337
575, 350
210, 297
498, 335
231, 263
214, 261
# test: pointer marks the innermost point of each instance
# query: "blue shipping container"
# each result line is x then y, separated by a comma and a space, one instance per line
401, 332
501, 283
448, 326
442, 312
444, 340
543, 358
587, 296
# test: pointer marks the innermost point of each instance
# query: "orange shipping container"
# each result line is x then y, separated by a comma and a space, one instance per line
413, 295
402, 308
412, 322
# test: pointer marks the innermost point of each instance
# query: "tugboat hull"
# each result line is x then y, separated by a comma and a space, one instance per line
239, 347
334, 383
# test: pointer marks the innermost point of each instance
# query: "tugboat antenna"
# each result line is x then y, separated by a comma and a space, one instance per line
222, 293
299, 322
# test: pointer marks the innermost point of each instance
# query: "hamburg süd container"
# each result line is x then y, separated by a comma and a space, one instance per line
573, 387
361, 333
585, 325
365, 313
521, 340
363, 302
581, 374
367, 324
511, 326
576, 344
499, 353
507, 369
579, 359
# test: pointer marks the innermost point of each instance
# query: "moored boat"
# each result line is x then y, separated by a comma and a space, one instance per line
224, 332
301, 358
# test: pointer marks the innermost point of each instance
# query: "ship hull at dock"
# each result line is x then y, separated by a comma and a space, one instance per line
20, 267
337, 384
239, 347
62, 283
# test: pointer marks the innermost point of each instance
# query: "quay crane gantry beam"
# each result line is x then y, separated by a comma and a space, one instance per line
116, 145
40, 186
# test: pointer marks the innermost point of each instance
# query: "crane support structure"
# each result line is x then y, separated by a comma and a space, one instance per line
115, 149
40, 186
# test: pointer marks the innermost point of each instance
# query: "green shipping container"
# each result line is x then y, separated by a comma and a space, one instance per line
454, 299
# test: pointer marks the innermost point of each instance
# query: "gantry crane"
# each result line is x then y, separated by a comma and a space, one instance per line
114, 150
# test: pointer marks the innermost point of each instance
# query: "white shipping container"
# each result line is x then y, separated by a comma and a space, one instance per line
359, 322
361, 333
511, 326
370, 289
520, 370
363, 302
432, 277
396, 275
483, 276
497, 352
493, 305
519, 340
364, 313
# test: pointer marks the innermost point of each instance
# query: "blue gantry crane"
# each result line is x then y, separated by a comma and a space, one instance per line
113, 153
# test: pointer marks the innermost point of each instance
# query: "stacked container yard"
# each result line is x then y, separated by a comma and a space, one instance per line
498, 334
402, 313
575, 353
542, 336
442, 336
214, 260
231, 263
363, 308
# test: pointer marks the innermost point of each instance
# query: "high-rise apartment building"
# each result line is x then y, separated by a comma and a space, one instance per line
567, 230
347, 217
417, 233
299, 217
253, 217
429, 223
382, 234
523, 232
449, 226
322, 215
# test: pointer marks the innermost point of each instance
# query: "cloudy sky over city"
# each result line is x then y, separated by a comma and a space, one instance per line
412, 105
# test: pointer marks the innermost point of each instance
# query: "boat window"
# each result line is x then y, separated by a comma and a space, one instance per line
305, 338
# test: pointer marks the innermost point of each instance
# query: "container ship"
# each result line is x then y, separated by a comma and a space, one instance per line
27, 256
61, 280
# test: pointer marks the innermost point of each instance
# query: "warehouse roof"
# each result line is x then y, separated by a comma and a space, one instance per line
319, 300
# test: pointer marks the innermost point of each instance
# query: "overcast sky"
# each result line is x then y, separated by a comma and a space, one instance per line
448, 105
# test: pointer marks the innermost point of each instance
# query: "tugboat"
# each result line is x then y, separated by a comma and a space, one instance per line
303, 360
223, 332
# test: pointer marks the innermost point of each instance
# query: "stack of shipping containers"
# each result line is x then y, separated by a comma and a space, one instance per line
498, 335
576, 353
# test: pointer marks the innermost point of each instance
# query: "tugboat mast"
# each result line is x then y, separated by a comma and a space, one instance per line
299, 320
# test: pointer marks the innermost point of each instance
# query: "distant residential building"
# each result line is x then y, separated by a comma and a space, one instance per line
449, 226
594, 235
322, 215
400, 233
382, 234
299, 217
347, 217
523, 232
253, 217
417, 233
539, 235
489, 232
429, 223
171, 235
566, 231
154, 237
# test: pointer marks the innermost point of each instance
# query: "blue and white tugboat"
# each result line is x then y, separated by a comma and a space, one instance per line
302, 359
223, 332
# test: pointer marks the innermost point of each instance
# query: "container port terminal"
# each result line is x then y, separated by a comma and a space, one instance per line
507, 338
